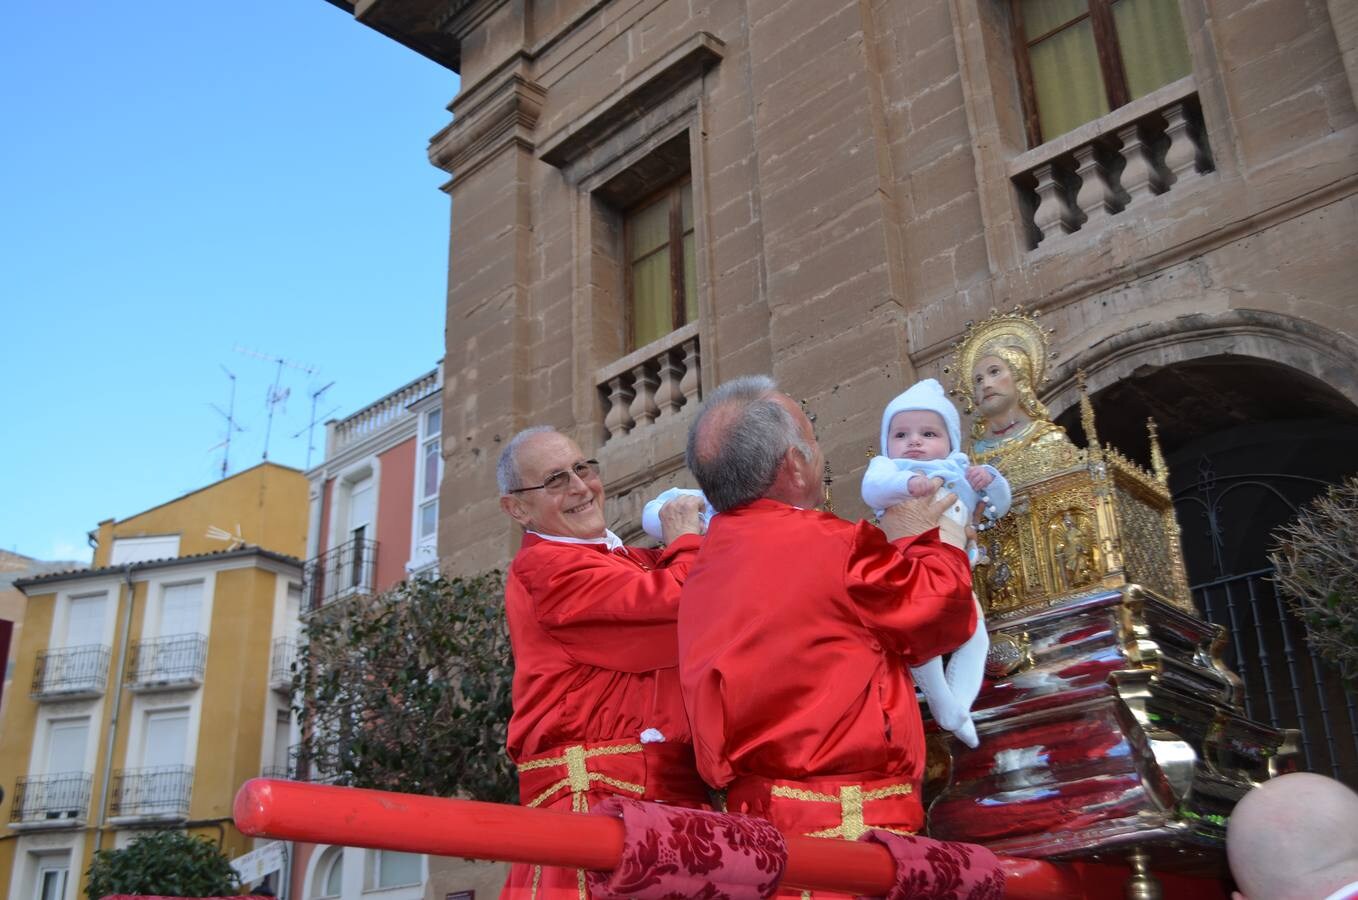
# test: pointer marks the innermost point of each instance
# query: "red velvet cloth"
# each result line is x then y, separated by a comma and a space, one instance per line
676, 853
938, 870
594, 639
795, 633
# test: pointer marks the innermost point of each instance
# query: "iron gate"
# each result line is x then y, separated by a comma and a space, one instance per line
1285, 683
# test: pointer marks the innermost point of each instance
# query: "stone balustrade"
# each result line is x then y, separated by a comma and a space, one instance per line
380, 413
1110, 166
651, 383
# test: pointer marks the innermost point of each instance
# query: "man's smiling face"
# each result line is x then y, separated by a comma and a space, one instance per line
577, 510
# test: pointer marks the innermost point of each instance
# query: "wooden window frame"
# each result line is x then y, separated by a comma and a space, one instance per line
674, 190
1100, 14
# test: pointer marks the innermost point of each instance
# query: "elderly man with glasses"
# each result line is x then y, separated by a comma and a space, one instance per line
597, 709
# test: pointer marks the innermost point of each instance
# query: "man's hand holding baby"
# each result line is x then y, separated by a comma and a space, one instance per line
918, 514
682, 515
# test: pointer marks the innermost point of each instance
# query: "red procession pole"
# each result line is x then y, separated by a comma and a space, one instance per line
355, 817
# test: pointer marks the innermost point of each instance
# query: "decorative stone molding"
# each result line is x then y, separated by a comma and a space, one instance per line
1254, 334
460, 17
418, 24
502, 113
682, 65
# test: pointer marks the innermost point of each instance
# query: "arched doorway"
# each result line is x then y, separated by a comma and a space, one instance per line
1248, 441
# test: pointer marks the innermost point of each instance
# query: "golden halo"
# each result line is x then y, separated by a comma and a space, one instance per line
1017, 330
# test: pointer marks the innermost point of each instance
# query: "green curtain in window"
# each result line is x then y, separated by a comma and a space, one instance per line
651, 298
1066, 76
648, 234
1154, 48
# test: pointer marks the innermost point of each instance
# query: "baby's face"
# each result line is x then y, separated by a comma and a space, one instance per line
917, 434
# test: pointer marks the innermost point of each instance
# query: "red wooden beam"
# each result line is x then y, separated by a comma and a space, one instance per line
355, 817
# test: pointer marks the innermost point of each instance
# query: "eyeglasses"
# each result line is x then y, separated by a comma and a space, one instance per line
557, 482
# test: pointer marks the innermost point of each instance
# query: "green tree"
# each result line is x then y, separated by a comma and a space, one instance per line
1316, 558
410, 690
162, 862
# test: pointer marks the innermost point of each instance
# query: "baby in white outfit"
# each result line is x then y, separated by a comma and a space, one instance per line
921, 434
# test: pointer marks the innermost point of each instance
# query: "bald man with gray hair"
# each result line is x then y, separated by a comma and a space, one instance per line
1295, 837
797, 628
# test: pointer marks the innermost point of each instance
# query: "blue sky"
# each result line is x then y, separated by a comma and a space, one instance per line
179, 180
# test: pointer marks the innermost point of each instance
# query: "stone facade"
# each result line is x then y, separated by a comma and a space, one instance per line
862, 188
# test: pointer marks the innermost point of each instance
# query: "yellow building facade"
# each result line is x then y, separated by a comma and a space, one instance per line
148, 688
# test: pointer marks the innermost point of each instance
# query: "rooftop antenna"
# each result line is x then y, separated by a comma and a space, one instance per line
277, 395
231, 427
310, 428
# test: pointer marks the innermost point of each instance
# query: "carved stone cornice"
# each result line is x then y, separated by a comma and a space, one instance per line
503, 113
459, 18
418, 24
681, 65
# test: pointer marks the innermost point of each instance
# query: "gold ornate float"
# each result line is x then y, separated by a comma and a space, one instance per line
1111, 728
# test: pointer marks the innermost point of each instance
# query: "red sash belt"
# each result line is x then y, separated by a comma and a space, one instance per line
829, 807
662, 771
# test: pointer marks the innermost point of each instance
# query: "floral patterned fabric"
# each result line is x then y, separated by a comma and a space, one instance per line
670, 852
939, 870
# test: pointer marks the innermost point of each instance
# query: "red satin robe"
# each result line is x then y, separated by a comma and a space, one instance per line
595, 656
796, 631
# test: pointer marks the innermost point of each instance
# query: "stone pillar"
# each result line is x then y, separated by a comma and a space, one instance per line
488, 151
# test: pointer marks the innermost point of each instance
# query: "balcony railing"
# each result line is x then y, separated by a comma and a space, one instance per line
1112, 165
69, 673
160, 793
344, 571
280, 664
284, 773
167, 663
380, 413
51, 801
652, 383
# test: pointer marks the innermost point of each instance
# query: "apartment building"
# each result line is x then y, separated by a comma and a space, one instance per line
373, 522
151, 685
14, 566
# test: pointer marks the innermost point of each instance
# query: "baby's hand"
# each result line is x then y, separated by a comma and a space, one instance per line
919, 486
978, 477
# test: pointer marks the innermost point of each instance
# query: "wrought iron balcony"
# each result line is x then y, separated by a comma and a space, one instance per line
167, 663
346, 570
70, 673
280, 664
51, 801
160, 793
284, 773
295, 769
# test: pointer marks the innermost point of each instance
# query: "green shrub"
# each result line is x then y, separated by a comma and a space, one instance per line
1316, 558
410, 690
162, 862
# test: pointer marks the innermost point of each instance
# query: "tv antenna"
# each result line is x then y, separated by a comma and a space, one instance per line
310, 428
231, 427
277, 395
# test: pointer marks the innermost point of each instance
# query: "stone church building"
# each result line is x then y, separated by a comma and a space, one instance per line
649, 197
